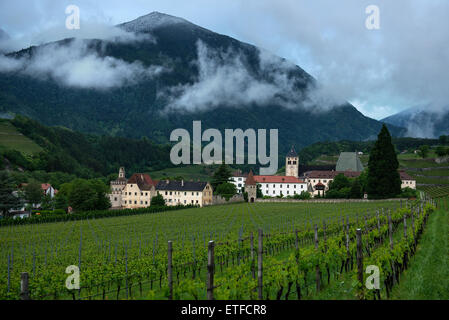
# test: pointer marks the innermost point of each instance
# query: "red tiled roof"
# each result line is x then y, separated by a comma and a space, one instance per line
405, 176
45, 186
277, 179
250, 181
143, 180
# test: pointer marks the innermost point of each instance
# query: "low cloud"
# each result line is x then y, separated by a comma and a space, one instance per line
226, 79
88, 30
78, 65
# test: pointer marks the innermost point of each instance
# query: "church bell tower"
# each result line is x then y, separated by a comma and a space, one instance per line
292, 164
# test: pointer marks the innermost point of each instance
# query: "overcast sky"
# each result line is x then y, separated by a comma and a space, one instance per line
403, 64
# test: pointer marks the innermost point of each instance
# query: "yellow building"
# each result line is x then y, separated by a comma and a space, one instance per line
185, 192
137, 191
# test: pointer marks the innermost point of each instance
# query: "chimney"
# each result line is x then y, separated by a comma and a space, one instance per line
182, 183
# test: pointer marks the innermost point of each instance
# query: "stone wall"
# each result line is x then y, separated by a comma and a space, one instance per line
216, 199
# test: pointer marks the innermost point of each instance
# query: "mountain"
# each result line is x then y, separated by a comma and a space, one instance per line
167, 74
422, 123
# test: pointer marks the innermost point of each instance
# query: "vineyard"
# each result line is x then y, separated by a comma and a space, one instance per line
436, 192
239, 251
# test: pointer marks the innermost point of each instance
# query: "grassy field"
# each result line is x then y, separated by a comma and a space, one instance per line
428, 274
10, 138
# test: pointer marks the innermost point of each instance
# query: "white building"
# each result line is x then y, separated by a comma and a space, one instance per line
274, 186
238, 179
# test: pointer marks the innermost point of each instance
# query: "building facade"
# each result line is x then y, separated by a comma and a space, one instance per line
185, 192
137, 191
274, 186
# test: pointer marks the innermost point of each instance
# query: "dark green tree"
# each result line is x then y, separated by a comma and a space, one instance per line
158, 200
61, 201
226, 190
82, 196
441, 151
259, 193
47, 202
443, 139
356, 190
8, 201
340, 181
33, 193
423, 151
222, 175
383, 176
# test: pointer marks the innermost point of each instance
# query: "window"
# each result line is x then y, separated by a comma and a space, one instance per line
135, 202
146, 202
146, 194
141, 193
240, 179
185, 201
185, 193
288, 192
197, 193
166, 192
115, 199
125, 201
294, 162
192, 200
171, 193
273, 191
288, 186
289, 162
141, 202
240, 185
196, 201
135, 193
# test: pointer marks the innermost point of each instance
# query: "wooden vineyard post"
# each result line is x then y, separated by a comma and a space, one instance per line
253, 271
359, 256
170, 269
378, 223
24, 288
413, 227
324, 235
259, 265
210, 270
348, 254
390, 231
296, 240
317, 266
405, 226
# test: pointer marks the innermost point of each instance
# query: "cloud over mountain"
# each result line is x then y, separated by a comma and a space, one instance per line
225, 78
76, 64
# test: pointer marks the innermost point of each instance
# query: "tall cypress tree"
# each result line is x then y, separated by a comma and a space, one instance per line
383, 176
